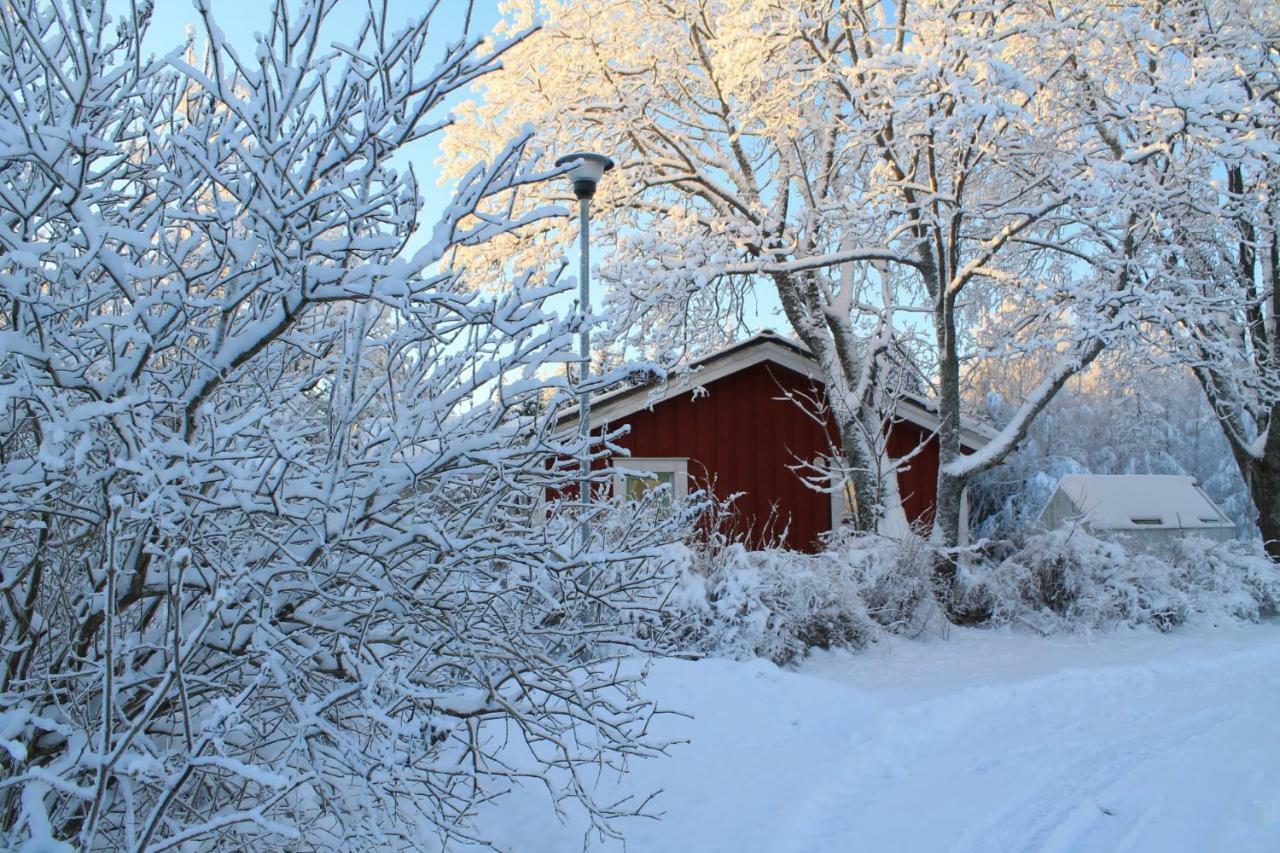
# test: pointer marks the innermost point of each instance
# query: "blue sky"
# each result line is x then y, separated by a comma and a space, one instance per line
240, 19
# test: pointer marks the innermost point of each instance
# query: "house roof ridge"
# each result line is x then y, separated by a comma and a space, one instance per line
684, 378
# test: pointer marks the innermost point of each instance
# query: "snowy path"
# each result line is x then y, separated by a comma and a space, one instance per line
986, 742
1176, 753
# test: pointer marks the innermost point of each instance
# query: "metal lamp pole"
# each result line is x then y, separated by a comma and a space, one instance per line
586, 177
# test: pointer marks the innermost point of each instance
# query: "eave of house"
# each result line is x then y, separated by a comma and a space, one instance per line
764, 347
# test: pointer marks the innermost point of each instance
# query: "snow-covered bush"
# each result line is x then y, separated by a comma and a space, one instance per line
274, 567
778, 604
1069, 580
772, 604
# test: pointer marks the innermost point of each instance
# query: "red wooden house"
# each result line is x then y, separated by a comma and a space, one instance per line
734, 426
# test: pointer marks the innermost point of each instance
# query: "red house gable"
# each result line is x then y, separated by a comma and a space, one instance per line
735, 428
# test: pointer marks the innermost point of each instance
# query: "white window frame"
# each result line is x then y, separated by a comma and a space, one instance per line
833, 467
678, 467
838, 505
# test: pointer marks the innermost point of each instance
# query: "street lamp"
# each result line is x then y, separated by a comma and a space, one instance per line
586, 177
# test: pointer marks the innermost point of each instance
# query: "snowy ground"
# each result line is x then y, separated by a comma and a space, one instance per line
984, 742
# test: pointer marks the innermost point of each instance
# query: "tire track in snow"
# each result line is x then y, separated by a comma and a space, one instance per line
1034, 821
1039, 775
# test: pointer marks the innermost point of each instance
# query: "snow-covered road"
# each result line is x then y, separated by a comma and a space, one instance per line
1123, 744
984, 742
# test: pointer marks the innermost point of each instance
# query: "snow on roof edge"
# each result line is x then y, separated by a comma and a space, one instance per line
1142, 502
972, 427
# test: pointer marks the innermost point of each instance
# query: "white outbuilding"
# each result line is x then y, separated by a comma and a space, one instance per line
1143, 509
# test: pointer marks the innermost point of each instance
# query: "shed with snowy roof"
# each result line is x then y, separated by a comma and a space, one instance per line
1142, 509
737, 422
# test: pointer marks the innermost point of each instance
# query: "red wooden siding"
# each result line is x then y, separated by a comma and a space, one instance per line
918, 480
741, 435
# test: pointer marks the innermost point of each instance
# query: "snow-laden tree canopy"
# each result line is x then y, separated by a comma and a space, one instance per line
1214, 288
951, 179
275, 568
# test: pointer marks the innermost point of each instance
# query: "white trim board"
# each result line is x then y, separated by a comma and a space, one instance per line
628, 401
762, 348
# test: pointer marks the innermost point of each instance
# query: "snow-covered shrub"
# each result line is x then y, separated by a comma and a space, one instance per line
274, 568
773, 604
778, 604
1069, 580
894, 577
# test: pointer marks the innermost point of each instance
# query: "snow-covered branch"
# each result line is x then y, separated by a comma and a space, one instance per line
279, 565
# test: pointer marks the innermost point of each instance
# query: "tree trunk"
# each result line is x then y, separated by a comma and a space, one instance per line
864, 472
1261, 473
950, 489
1264, 486
946, 520
1262, 479
946, 517
861, 462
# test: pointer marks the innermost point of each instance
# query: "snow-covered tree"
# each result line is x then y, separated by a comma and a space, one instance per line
891, 171
1208, 101
274, 565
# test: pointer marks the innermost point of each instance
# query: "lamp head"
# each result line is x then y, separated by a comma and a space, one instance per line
587, 173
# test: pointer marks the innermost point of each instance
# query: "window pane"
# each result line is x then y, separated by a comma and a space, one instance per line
637, 485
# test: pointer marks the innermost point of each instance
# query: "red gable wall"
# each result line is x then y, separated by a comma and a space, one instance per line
740, 437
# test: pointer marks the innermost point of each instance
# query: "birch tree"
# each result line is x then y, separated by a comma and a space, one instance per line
274, 571
889, 170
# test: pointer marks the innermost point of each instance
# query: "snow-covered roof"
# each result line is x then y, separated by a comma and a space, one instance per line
1142, 501
764, 346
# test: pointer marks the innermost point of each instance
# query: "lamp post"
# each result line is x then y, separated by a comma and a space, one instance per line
586, 177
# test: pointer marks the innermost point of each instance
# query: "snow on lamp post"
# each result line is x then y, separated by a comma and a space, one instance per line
586, 177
